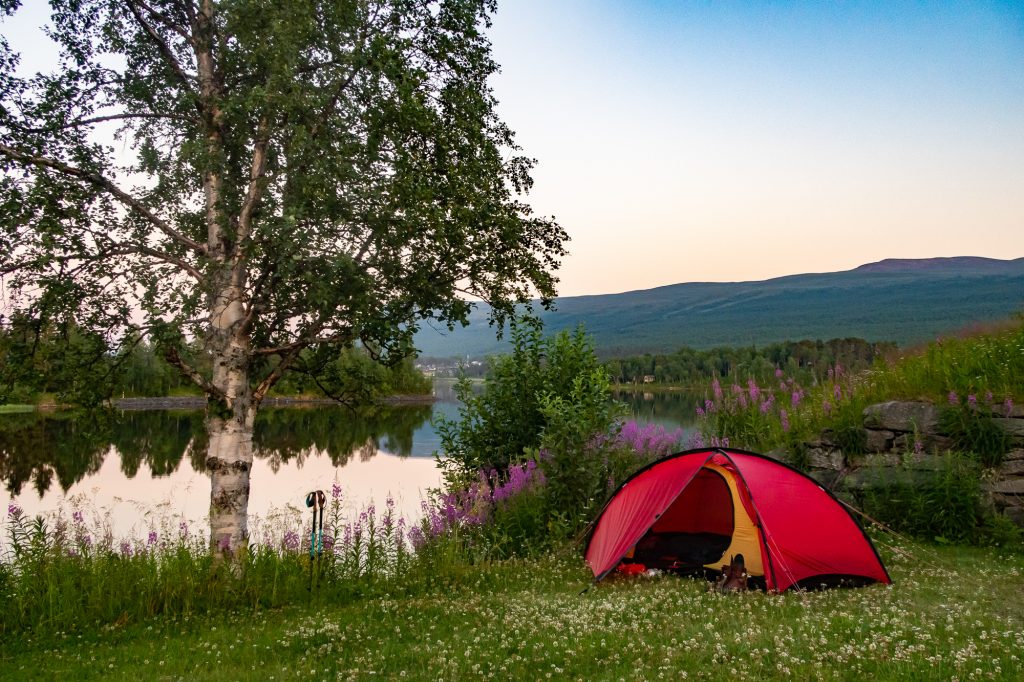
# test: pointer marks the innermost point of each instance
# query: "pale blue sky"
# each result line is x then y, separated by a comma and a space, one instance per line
684, 141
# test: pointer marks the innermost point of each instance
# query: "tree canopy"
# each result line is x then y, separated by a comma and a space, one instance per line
276, 180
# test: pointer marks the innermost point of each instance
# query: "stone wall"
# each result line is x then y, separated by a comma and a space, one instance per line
891, 433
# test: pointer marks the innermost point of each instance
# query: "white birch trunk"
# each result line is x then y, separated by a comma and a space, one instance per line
229, 424
229, 460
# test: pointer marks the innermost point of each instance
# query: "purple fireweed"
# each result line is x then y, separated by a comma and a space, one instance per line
988, 397
953, 398
972, 400
827, 407
1008, 407
183, 529
837, 393
78, 517
784, 418
291, 541
709, 406
14, 511
918, 447
416, 537
753, 389
796, 398
151, 540
700, 412
716, 389
648, 439
778, 373
336, 491
520, 478
126, 548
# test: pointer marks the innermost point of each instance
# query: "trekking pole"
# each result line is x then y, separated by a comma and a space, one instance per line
321, 499
311, 501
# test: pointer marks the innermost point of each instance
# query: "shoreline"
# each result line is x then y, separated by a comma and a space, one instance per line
199, 402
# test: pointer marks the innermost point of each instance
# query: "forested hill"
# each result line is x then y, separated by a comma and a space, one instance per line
897, 300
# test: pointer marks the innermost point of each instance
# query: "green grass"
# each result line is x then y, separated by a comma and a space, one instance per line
14, 408
951, 613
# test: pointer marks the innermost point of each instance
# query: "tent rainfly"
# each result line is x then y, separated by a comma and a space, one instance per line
694, 510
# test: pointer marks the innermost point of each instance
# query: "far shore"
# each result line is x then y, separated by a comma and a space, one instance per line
190, 402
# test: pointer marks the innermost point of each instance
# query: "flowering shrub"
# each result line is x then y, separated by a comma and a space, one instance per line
522, 512
172, 569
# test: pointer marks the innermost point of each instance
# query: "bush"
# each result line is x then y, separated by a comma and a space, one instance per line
535, 454
498, 425
970, 426
945, 506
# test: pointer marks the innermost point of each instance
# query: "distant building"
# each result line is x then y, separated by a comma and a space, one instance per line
648, 378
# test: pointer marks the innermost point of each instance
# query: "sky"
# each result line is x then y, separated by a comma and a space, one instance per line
726, 141
730, 141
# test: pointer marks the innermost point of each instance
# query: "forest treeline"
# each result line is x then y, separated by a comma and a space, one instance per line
806, 361
65, 364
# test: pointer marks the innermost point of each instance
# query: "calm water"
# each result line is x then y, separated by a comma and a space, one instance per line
136, 470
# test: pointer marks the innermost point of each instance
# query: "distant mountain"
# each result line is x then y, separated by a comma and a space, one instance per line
959, 264
902, 300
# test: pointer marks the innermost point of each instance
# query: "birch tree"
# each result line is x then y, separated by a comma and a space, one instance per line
275, 180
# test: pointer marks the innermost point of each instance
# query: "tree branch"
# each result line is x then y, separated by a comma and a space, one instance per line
256, 185
174, 359
166, 21
161, 45
106, 184
286, 360
103, 119
299, 344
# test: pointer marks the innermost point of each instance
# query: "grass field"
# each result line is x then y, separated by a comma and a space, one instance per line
952, 613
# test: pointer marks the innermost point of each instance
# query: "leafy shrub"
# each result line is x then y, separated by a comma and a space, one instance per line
498, 425
945, 506
969, 424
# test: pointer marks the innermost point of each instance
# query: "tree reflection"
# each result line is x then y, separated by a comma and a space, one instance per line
66, 447
673, 406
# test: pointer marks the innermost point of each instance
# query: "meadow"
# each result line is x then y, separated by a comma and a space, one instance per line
952, 613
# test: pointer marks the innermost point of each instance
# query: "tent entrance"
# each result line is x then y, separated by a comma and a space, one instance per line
695, 530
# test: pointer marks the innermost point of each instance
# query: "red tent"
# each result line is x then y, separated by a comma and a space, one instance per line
694, 510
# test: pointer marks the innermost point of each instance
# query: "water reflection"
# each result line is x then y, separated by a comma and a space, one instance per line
64, 448
671, 409
139, 466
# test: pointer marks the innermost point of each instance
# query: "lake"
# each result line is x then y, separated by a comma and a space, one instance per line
135, 471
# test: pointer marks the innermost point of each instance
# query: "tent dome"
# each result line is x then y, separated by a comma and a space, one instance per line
696, 509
